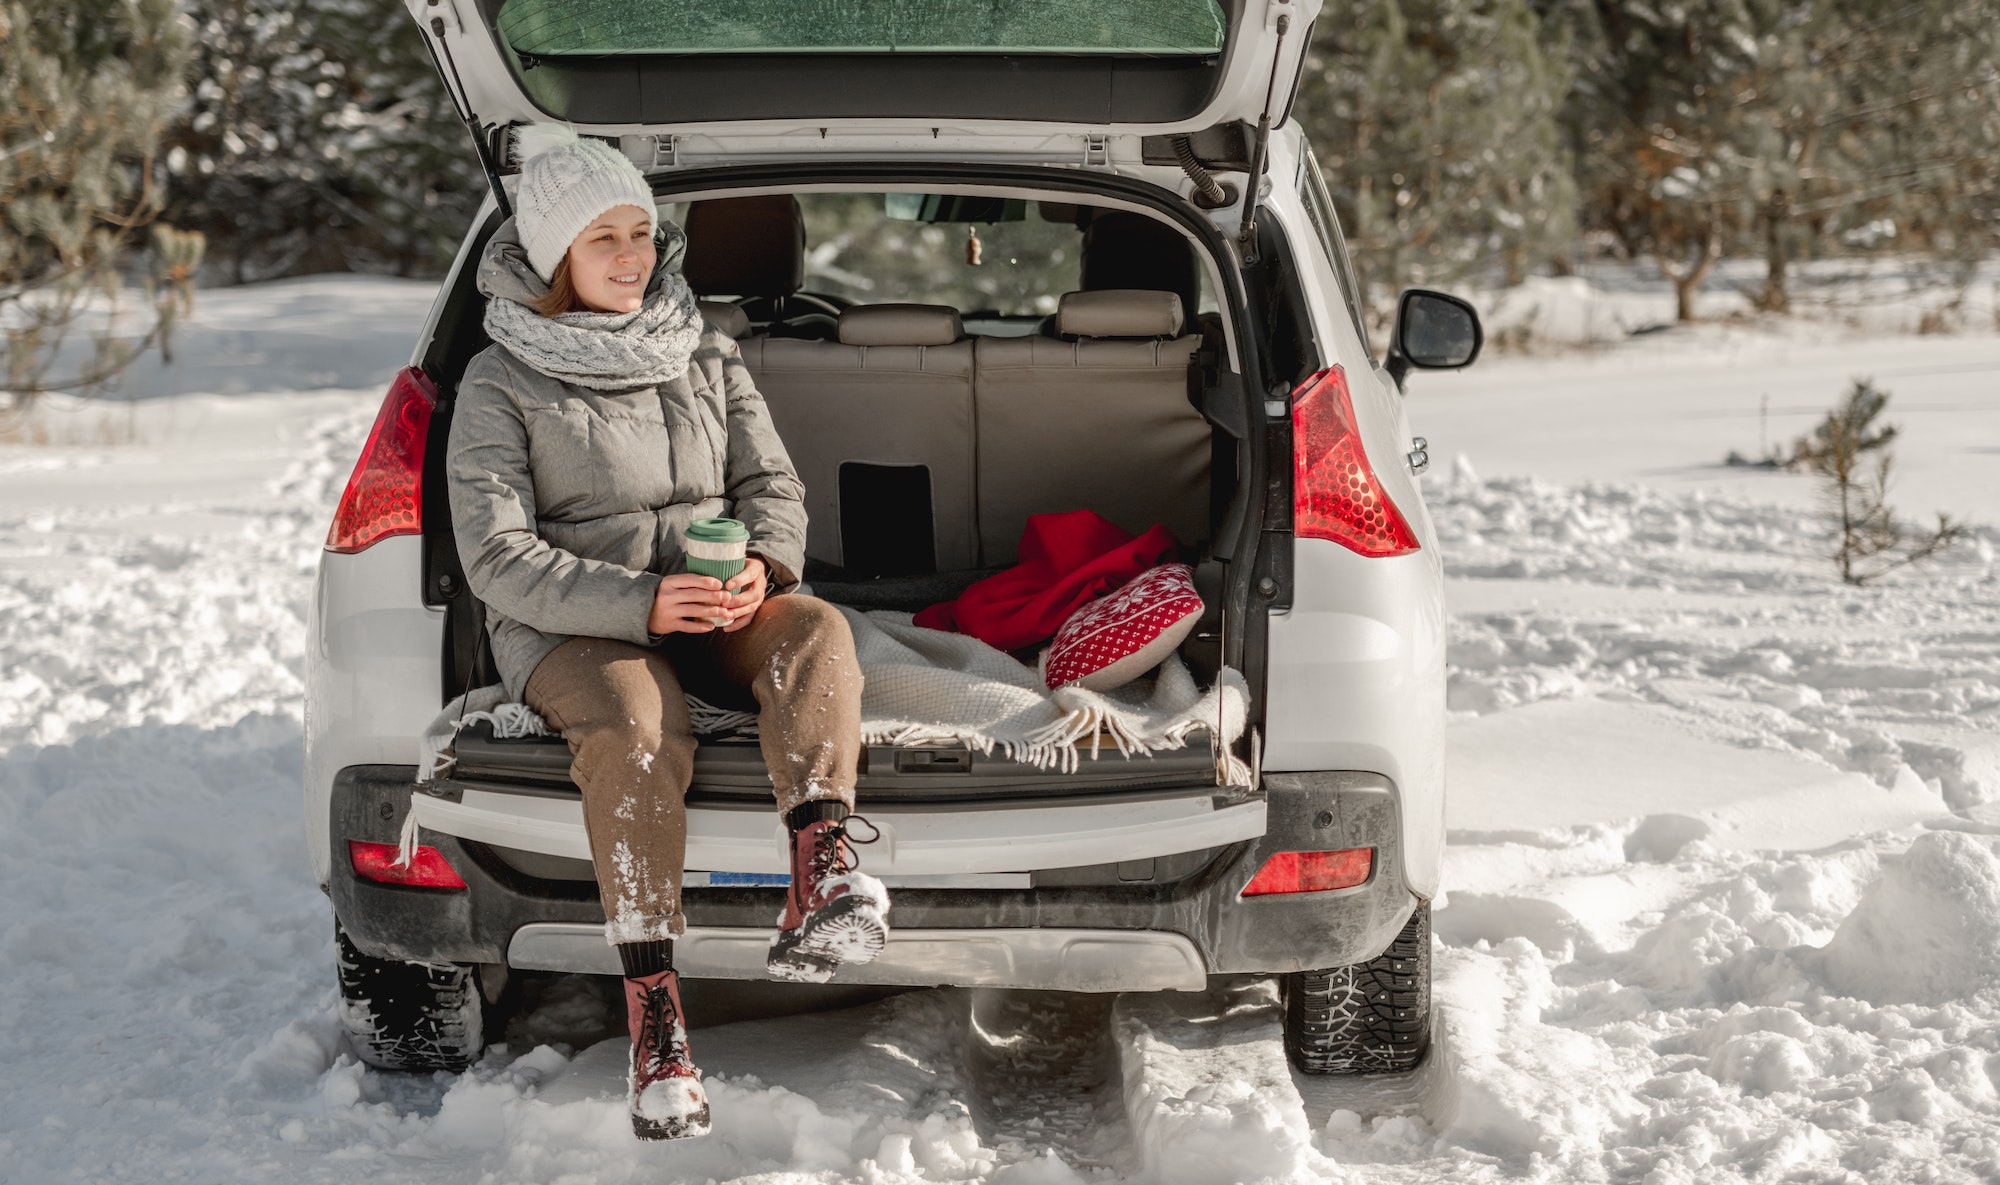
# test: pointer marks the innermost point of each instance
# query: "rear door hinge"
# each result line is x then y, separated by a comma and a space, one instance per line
436, 11
649, 152
1096, 151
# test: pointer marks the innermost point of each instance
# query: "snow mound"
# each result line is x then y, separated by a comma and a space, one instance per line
1209, 1098
1763, 1051
187, 606
1659, 839
1928, 931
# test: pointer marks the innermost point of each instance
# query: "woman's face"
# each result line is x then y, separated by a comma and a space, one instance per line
610, 262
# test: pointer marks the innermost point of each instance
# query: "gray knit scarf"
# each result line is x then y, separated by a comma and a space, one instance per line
607, 351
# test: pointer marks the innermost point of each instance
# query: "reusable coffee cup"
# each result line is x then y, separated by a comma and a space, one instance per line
715, 547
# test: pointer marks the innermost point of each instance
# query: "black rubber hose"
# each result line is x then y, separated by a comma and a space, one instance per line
1208, 192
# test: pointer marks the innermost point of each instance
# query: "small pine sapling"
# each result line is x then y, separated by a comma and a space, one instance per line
1850, 450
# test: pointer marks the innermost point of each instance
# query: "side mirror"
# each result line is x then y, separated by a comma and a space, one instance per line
1433, 332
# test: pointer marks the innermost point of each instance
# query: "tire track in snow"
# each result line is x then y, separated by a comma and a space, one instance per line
1044, 1070
1208, 1092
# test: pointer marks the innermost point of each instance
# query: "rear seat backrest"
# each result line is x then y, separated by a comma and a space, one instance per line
1102, 422
895, 390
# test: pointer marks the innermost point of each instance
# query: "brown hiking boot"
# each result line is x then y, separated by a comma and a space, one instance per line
833, 914
664, 1087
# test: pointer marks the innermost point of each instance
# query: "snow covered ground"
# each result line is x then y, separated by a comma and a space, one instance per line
1723, 899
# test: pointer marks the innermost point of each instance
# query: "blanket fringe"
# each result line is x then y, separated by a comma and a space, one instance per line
707, 719
509, 721
406, 842
1057, 745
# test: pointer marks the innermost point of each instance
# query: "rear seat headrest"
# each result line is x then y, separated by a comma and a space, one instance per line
900, 325
1119, 312
727, 317
1126, 250
747, 246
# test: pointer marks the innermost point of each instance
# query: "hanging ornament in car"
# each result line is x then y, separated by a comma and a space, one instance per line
972, 245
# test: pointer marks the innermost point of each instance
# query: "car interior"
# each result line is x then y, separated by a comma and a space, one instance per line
927, 433
932, 409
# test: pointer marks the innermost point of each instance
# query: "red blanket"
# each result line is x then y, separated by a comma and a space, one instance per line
1067, 561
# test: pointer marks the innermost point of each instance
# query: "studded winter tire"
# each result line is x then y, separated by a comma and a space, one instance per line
408, 1016
1369, 1018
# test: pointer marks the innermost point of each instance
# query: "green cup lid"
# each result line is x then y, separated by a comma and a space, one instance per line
718, 530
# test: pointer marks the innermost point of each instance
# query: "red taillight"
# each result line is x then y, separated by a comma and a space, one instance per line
386, 494
1334, 492
427, 869
1311, 872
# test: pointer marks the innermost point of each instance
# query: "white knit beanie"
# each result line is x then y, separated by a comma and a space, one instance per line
566, 182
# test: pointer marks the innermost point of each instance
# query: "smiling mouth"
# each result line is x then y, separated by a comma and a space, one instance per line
631, 279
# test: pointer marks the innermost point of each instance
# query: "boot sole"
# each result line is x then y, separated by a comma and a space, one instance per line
671, 1129
847, 930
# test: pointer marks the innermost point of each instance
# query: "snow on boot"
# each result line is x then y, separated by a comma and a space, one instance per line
664, 1087
833, 914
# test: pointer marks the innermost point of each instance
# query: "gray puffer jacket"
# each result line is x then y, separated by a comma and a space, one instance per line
570, 504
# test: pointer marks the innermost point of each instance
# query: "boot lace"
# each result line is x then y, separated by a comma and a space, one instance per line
833, 853
661, 1034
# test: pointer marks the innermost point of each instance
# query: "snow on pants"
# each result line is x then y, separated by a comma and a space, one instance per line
620, 707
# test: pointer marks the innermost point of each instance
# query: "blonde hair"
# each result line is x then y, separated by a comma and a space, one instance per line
562, 296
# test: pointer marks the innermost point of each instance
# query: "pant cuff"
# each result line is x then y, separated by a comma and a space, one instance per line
815, 790
637, 928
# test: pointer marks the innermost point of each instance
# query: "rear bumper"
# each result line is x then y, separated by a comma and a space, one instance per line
1051, 959
1093, 928
932, 839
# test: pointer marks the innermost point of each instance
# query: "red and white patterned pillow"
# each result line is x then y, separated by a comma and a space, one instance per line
1122, 635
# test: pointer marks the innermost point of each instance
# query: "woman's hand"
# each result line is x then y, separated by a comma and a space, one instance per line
688, 604
748, 589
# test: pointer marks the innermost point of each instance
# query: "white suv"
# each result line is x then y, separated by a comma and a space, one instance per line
1255, 424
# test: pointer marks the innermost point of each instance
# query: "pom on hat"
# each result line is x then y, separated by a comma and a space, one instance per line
532, 140
568, 180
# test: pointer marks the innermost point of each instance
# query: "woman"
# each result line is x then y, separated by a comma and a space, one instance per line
605, 418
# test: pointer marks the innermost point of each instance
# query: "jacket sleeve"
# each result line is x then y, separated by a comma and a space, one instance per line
760, 482
507, 562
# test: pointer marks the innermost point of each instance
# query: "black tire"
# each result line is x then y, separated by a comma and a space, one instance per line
1370, 1018
409, 1016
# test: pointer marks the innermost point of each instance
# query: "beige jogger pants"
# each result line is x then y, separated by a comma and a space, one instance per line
620, 707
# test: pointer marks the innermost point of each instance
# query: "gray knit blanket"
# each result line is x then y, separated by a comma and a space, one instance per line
926, 688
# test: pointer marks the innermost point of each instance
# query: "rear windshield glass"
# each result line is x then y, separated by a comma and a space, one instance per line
1003, 263
871, 248
551, 28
